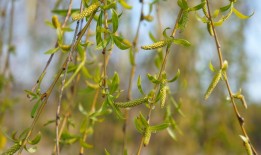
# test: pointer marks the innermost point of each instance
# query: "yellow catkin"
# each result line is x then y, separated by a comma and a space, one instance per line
147, 135
132, 103
163, 95
213, 84
248, 148
12, 150
157, 44
56, 22
86, 12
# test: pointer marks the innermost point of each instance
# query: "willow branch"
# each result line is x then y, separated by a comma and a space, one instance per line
160, 75
240, 119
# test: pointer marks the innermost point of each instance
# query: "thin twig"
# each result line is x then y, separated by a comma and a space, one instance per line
56, 45
240, 119
160, 76
62, 88
47, 94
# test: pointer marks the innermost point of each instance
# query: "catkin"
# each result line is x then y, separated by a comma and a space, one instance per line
147, 135
86, 12
56, 22
12, 150
210, 29
205, 11
163, 94
248, 148
213, 84
131, 103
157, 44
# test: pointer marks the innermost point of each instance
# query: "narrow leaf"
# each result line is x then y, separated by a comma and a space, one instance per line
175, 77
139, 85
51, 51
240, 15
182, 42
114, 21
156, 128
121, 43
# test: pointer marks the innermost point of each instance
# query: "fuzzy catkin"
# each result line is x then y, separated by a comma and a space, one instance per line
86, 12
56, 22
12, 150
163, 95
131, 103
213, 84
147, 135
157, 44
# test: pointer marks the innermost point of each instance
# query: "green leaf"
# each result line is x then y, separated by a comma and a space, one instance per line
115, 20
240, 15
175, 77
24, 133
211, 67
51, 51
35, 107
109, 100
152, 37
183, 4
121, 43
182, 23
132, 56
109, 6
139, 85
172, 133
182, 42
31, 149
82, 110
64, 12
138, 125
156, 128
98, 33
197, 7
153, 79
30, 93
115, 83
103, 44
124, 4
165, 33
225, 8
85, 145
143, 121
36, 139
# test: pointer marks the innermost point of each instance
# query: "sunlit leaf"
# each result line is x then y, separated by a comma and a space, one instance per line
124, 4
159, 127
175, 77
182, 42
36, 139
121, 43
51, 51
240, 15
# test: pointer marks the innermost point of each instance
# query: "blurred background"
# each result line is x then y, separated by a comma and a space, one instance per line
207, 127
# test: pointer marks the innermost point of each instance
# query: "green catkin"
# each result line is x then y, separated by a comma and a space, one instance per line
147, 135
86, 12
12, 150
157, 44
213, 84
205, 11
131, 103
56, 22
163, 94
210, 29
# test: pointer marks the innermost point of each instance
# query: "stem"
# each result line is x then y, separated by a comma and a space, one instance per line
239, 117
160, 74
56, 45
57, 122
46, 95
